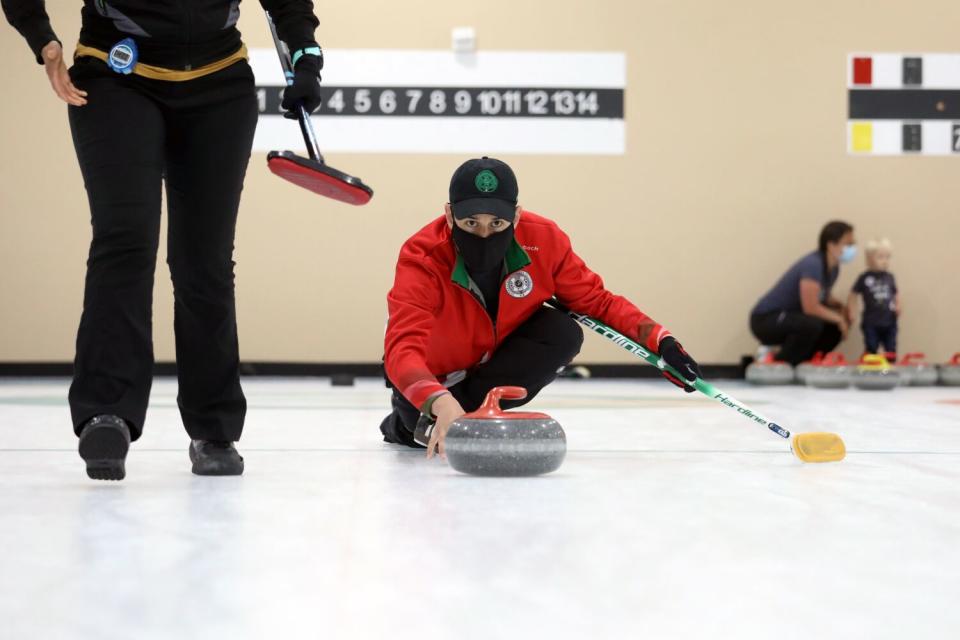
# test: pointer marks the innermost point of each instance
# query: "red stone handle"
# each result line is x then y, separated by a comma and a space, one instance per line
913, 358
833, 359
491, 406
955, 360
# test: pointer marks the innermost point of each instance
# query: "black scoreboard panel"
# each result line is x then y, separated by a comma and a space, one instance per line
903, 104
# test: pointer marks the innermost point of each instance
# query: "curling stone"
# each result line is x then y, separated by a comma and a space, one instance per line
915, 371
875, 374
769, 372
342, 380
574, 372
950, 372
493, 442
833, 372
804, 367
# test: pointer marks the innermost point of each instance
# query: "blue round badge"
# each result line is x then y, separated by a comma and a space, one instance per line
123, 56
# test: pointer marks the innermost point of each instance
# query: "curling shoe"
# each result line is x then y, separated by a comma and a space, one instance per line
215, 458
424, 429
395, 432
104, 442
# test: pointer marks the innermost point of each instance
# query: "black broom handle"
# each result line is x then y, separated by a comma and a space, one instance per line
306, 128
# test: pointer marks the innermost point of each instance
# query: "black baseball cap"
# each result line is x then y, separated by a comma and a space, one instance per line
484, 185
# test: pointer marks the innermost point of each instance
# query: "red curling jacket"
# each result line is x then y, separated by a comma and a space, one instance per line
437, 327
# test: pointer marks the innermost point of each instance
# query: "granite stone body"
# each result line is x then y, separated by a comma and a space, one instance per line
829, 377
950, 372
805, 367
832, 372
950, 375
875, 374
915, 371
491, 442
876, 380
918, 375
770, 373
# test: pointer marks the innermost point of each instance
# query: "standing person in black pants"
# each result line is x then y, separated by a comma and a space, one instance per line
799, 313
161, 92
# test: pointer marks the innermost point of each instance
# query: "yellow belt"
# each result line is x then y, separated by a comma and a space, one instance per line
171, 75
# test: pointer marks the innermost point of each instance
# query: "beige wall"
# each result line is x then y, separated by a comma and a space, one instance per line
736, 155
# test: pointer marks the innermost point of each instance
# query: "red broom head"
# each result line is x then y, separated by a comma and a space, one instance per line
319, 178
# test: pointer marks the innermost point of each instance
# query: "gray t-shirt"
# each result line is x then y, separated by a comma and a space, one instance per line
785, 295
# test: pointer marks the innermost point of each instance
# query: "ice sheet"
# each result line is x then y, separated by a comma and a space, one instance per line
672, 517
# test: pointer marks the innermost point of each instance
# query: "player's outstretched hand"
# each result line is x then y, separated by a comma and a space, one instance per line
447, 409
674, 355
52, 54
305, 89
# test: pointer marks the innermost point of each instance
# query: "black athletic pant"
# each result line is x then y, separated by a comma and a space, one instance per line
530, 358
874, 337
133, 134
800, 335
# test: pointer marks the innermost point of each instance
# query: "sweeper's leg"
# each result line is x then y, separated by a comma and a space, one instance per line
208, 149
119, 138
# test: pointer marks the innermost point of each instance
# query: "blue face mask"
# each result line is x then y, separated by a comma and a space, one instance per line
848, 254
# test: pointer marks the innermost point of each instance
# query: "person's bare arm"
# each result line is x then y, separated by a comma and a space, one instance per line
56, 69
852, 307
446, 409
30, 18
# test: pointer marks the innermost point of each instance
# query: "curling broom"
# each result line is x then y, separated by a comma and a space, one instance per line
808, 447
312, 173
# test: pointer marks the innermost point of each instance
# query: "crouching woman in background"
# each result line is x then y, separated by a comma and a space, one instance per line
798, 313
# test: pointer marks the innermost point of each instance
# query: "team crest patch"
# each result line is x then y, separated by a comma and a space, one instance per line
519, 284
486, 181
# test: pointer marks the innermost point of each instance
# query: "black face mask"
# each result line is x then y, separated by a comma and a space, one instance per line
482, 254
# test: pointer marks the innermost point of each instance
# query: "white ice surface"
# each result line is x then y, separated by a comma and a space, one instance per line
672, 517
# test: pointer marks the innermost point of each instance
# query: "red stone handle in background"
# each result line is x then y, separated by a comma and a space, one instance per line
833, 359
955, 360
913, 358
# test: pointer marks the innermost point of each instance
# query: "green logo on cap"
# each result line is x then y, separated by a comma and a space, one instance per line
486, 181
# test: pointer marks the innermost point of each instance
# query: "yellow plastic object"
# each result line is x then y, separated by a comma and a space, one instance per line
818, 447
874, 362
862, 137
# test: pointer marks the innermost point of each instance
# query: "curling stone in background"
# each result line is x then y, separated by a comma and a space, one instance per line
574, 372
874, 373
769, 372
833, 372
950, 372
804, 367
493, 442
915, 371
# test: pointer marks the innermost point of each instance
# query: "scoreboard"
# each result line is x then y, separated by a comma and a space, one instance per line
903, 104
442, 101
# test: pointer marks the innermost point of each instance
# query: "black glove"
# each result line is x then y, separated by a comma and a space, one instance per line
305, 89
673, 354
